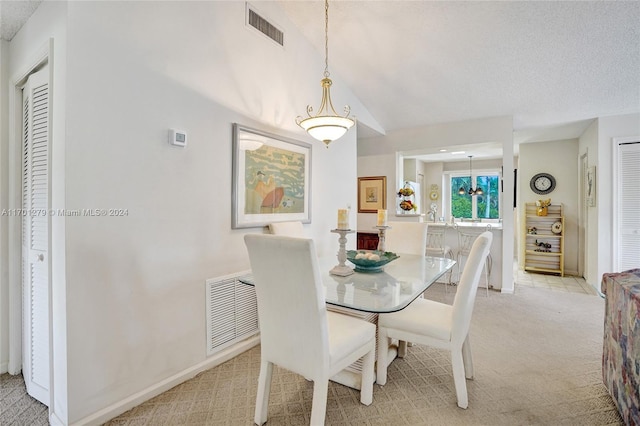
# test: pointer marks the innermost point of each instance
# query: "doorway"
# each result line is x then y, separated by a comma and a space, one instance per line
30, 129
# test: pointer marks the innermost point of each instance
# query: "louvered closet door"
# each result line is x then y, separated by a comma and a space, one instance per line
35, 235
628, 206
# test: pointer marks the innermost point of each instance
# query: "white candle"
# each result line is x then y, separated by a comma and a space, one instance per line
382, 218
343, 219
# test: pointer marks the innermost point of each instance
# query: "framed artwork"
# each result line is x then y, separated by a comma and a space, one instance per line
372, 194
590, 186
271, 179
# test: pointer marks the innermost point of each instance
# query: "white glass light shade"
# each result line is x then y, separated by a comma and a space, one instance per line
326, 128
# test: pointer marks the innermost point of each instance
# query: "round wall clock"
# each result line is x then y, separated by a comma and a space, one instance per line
433, 195
542, 183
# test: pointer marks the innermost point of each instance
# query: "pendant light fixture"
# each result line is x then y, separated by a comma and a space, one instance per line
471, 191
326, 125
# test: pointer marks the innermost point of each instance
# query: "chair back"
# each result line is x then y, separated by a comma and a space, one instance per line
406, 237
435, 240
290, 229
466, 293
467, 236
291, 306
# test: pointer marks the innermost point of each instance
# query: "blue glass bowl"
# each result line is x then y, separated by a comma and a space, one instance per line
368, 265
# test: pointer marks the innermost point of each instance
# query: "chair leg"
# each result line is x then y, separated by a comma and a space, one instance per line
366, 384
486, 277
467, 359
457, 365
383, 353
319, 404
402, 348
264, 387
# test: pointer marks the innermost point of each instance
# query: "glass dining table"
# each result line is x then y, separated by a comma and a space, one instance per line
366, 294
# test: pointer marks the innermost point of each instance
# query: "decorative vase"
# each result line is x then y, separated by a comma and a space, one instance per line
542, 211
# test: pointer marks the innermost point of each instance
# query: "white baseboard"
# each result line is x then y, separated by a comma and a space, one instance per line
54, 420
138, 398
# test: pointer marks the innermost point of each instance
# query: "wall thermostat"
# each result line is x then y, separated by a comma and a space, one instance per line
177, 137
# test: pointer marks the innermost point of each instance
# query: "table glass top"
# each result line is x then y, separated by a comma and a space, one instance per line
401, 281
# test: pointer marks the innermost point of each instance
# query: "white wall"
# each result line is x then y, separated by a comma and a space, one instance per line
132, 302
609, 128
588, 144
597, 142
560, 159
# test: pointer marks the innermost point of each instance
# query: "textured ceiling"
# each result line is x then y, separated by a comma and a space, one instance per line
13, 14
553, 66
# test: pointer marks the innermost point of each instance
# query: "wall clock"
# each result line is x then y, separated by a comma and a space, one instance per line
433, 195
542, 183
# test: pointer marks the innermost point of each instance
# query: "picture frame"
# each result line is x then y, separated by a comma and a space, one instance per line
372, 194
590, 186
271, 179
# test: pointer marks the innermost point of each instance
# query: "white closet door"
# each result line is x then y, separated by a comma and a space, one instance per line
628, 206
35, 235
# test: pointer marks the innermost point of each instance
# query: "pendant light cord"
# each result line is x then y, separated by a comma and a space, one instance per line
326, 38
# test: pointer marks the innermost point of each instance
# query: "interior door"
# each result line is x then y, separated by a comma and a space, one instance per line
35, 235
628, 206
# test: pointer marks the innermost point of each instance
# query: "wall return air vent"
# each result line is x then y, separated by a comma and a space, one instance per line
265, 27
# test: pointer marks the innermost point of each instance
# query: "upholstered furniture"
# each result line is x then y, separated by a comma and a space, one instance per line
440, 325
621, 348
406, 237
296, 330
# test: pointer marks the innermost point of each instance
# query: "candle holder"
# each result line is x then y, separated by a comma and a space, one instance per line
341, 269
381, 237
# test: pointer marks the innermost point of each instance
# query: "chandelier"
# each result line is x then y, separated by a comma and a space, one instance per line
326, 125
471, 191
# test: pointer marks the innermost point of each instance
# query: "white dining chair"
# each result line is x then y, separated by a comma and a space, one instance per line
290, 229
437, 246
406, 237
410, 238
439, 325
296, 330
466, 237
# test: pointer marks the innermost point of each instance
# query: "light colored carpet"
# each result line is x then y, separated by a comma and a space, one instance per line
537, 358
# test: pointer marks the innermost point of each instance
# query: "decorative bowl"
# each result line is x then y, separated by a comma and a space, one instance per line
364, 264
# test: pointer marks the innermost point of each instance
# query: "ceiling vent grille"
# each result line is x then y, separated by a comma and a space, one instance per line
264, 26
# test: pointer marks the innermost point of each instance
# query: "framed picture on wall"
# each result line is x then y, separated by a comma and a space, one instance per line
271, 179
590, 186
372, 194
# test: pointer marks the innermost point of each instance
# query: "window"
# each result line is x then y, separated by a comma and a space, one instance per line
485, 206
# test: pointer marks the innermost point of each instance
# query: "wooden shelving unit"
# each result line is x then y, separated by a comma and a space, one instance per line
544, 249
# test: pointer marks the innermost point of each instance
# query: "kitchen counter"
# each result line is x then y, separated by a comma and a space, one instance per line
367, 239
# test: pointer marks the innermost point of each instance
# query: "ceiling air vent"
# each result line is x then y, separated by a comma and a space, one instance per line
264, 26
